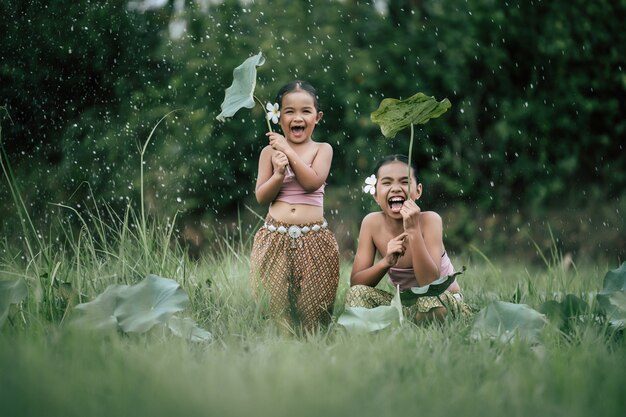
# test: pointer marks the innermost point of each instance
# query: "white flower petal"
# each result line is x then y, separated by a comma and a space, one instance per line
269, 106
370, 184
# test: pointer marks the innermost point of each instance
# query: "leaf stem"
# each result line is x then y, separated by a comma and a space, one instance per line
141, 197
269, 126
410, 152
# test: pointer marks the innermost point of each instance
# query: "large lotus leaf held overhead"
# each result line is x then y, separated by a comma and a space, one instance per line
394, 115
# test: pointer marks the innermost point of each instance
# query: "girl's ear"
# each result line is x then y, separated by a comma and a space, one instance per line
320, 114
417, 192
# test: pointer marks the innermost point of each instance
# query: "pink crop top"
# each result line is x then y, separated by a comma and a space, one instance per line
292, 192
405, 277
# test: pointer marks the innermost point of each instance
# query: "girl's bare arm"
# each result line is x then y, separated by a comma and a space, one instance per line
310, 178
364, 270
269, 180
426, 238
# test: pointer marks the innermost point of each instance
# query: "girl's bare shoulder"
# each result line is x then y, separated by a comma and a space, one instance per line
430, 218
373, 220
267, 149
322, 148
324, 145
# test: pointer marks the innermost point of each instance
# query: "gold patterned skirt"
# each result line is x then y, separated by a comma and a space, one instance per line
370, 297
299, 272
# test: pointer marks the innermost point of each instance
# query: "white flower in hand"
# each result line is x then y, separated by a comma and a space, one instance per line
272, 112
370, 184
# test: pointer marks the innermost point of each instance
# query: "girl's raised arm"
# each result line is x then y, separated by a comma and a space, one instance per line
269, 179
364, 270
427, 248
310, 178
313, 177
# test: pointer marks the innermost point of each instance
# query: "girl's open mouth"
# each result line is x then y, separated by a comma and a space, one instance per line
395, 203
297, 130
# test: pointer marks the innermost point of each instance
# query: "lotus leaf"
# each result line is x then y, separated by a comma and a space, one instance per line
505, 322
612, 298
99, 314
368, 319
153, 301
560, 313
394, 115
361, 319
139, 307
187, 328
241, 92
11, 292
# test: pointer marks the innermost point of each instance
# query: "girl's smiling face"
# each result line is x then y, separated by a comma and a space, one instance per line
298, 116
392, 187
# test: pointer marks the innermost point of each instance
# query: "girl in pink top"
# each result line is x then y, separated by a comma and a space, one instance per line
410, 244
295, 257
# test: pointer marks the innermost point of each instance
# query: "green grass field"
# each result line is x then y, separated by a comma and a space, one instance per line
48, 368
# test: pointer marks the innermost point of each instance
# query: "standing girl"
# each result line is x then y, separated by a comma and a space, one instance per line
410, 244
295, 257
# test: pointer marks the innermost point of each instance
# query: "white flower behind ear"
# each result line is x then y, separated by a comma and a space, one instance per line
272, 112
370, 184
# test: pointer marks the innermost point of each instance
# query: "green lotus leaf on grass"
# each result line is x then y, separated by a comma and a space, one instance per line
612, 298
153, 301
11, 292
241, 92
99, 314
504, 322
187, 329
361, 319
138, 308
571, 306
368, 319
394, 115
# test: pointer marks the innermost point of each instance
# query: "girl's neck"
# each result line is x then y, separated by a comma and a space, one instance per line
395, 225
305, 143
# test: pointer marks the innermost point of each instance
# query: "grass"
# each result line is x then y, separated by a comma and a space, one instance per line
250, 368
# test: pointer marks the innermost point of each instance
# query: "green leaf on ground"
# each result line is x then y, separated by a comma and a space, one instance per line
570, 307
188, 329
505, 322
153, 301
612, 298
99, 314
138, 308
361, 319
394, 115
11, 292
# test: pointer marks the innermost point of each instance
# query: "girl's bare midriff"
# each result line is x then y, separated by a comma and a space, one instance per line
296, 213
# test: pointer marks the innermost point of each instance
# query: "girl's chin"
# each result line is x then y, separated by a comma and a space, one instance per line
297, 137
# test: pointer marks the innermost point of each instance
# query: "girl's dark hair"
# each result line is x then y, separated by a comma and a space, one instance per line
397, 157
296, 86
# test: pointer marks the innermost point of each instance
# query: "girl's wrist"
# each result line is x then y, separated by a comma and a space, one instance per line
289, 153
412, 228
386, 264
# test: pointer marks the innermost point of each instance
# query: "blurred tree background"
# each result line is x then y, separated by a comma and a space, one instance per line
532, 149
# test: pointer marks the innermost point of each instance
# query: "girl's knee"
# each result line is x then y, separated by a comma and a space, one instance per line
437, 314
354, 294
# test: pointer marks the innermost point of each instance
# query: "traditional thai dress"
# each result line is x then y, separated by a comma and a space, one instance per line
297, 265
416, 299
